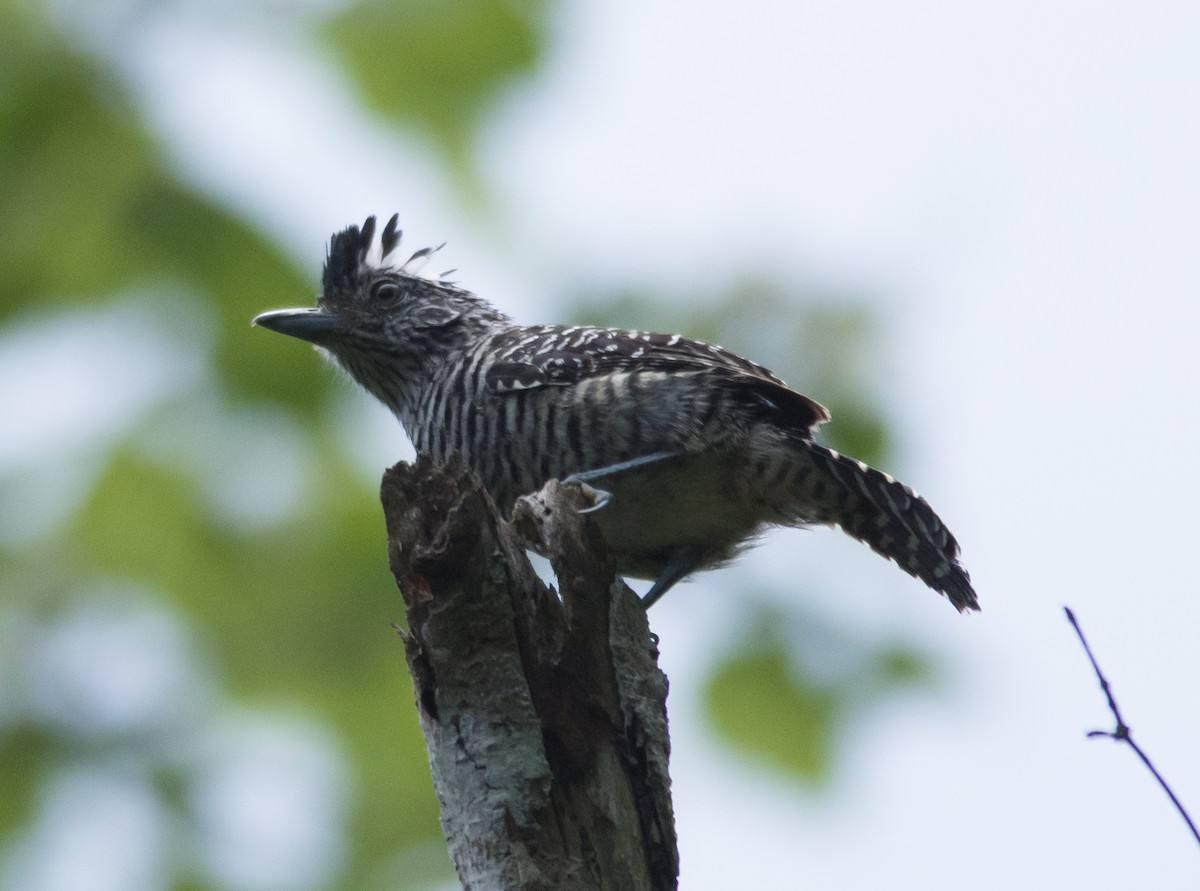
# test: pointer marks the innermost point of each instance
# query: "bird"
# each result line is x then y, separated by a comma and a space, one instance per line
691, 450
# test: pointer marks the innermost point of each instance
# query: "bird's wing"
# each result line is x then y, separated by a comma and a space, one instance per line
557, 356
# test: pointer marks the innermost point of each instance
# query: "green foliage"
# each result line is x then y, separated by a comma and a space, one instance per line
74, 158
23, 753
296, 612
93, 210
767, 707
179, 236
439, 65
769, 702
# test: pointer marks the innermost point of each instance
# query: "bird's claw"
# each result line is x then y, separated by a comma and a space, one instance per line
600, 498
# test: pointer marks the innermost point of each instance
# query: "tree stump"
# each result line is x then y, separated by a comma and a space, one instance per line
544, 714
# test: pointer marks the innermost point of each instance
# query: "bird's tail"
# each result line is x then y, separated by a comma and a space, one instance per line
894, 520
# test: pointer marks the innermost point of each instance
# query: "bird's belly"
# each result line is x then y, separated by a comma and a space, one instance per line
694, 501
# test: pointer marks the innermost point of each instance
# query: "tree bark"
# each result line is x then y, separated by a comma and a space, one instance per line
544, 714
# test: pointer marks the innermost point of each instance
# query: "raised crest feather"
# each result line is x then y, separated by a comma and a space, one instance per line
354, 249
417, 261
390, 239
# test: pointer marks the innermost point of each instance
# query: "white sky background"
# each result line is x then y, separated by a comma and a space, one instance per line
1019, 184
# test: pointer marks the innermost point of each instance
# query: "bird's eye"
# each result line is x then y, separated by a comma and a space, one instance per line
385, 291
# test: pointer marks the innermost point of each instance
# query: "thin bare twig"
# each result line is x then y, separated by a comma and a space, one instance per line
1122, 733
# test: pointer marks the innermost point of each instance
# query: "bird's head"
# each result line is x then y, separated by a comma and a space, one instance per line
382, 321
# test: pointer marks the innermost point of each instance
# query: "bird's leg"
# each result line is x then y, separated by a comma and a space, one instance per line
682, 562
603, 497
586, 476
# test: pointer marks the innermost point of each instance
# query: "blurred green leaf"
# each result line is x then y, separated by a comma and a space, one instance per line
299, 612
72, 155
766, 703
288, 603
900, 666
21, 753
767, 707
438, 65
179, 236
93, 209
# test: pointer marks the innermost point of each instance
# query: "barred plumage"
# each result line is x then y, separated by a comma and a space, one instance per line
697, 449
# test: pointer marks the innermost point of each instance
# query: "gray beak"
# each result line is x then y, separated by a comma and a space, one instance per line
311, 324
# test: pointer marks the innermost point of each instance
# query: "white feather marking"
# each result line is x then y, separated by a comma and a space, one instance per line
414, 264
887, 496
375, 258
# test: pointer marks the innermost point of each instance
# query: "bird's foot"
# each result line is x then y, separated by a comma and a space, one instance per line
682, 563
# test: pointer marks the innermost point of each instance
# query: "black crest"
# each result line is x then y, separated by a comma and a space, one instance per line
348, 251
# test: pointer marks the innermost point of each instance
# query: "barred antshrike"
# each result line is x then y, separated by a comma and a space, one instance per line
694, 449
